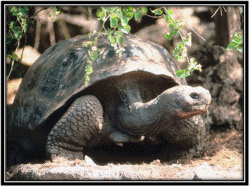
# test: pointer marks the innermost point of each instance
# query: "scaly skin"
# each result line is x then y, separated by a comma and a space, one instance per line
79, 127
188, 132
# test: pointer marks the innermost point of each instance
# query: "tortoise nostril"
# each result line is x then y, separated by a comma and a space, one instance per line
194, 95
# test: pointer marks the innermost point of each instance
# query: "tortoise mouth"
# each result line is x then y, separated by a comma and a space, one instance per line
193, 110
200, 107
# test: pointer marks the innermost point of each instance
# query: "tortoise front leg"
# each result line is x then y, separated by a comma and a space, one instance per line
80, 126
188, 132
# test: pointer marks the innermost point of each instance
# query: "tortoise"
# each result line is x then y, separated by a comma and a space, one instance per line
128, 98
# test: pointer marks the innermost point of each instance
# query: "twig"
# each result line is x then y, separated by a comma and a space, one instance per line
197, 33
220, 11
64, 29
51, 32
38, 32
194, 30
154, 16
12, 62
215, 12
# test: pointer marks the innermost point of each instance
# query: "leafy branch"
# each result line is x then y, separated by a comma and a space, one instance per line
17, 29
119, 18
180, 51
18, 26
237, 42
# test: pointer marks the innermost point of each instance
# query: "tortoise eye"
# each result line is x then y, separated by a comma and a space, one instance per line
194, 95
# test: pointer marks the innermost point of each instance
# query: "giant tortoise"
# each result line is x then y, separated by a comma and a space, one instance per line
129, 98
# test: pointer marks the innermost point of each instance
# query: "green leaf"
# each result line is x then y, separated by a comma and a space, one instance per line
114, 22
22, 13
170, 12
124, 21
178, 57
170, 19
171, 26
230, 47
15, 57
137, 15
188, 40
126, 16
238, 40
182, 73
10, 56
129, 9
180, 45
241, 9
118, 34
130, 15
112, 41
168, 36
191, 66
124, 12
89, 71
9, 39
110, 32
240, 48
17, 32
11, 24
158, 12
121, 40
95, 55
175, 31
168, 16
87, 66
14, 11
236, 34
176, 52
144, 10
126, 29
100, 13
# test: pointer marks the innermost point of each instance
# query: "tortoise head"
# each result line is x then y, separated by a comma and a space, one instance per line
186, 101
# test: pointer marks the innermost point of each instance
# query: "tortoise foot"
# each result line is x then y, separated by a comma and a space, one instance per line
79, 127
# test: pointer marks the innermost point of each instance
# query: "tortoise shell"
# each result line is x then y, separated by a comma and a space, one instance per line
59, 74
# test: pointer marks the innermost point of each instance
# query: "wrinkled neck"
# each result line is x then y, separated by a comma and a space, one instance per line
147, 118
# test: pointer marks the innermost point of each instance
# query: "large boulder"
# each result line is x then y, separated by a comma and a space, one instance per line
222, 75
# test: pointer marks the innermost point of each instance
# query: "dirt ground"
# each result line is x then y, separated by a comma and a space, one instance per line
223, 160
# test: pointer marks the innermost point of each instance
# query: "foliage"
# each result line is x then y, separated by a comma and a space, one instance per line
119, 18
237, 42
17, 30
54, 13
180, 51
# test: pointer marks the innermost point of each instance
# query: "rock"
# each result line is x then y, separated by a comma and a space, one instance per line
12, 87
89, 161
208, 172
78, 172
30, 55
